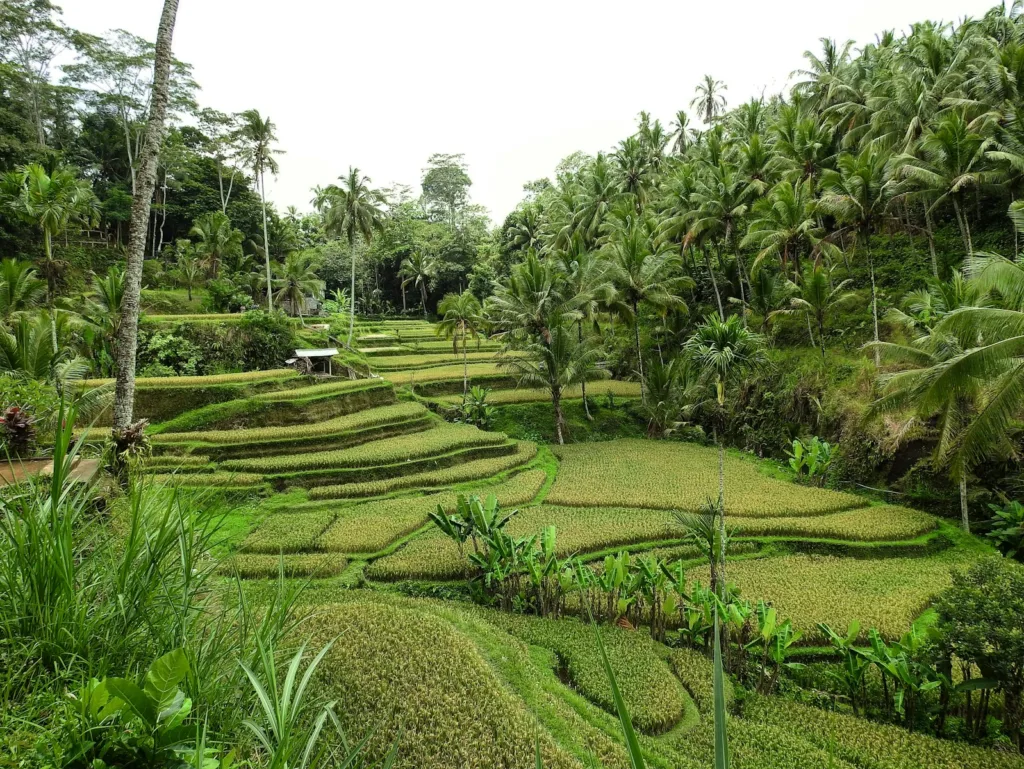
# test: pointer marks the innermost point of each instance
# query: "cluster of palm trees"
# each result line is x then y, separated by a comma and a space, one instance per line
760, 213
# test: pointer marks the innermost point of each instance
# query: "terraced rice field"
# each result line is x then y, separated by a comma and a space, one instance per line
362, 464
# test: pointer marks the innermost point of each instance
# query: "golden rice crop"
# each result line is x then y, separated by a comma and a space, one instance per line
539, 395
885, 593
669, 475
394, 362
313, 391
881, 523
397, 412
164, 382
389, 451
474, 470
695, 670
453, 373
431, 556
654, 697
254, 566
288, 533
372, 526
409, 674
190, 461
864, 743
218, 480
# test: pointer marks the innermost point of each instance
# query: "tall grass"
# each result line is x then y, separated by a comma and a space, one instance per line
89, 590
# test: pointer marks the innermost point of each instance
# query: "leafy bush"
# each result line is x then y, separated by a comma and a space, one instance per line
268, 339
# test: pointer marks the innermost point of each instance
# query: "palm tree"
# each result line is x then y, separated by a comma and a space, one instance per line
20, 288
53, 203
770, 292
857, 195
352, 210
709, 101
586, 277
128, 336
418, 268
188, 270
218, 240
295, 280
460, 320
785, 226
563, 362
817, 298
258, 137
951, 160
724, 352
526, 307
645, 274
680, 135
942, 382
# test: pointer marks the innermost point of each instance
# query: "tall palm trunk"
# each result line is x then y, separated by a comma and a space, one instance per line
714, 284
964, 519
930, 232
266, 241
465, 367
352, 287
583, 382
965, 228
639, 354
128, 333
556, 401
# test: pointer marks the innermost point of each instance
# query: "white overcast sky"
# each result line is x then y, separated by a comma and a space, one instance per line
516, 86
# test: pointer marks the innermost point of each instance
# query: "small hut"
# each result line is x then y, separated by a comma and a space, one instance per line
314, 361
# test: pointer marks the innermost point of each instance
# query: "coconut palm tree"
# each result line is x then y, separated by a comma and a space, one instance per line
708, 99
295, 280
257, 136
352, 210
723, 352
770, 292
20, 288
460, 321
856, 194
818, 298
950, 160
128, 336
419, 268
784, 226
562, 362
218, 241
645, 274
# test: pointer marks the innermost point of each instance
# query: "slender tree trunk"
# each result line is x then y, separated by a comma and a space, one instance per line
964, 519
965, 230
583, 382
352, 289
556, 401
266, 241
714, 283
639, 354
930, 232
465, 368
128, 333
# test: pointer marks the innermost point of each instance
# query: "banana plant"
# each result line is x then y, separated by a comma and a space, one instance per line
854, 664
775, 640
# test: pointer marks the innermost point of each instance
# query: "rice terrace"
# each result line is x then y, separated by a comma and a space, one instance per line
707, 454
